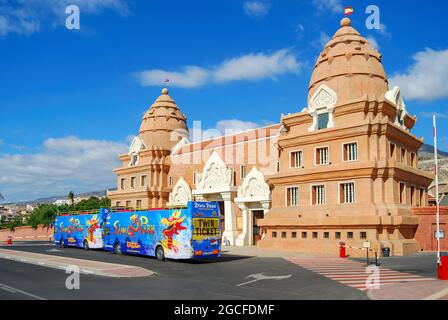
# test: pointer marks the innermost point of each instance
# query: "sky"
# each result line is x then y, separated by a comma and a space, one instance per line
71, 100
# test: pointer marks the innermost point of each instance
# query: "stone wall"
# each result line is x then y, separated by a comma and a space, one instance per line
27, 234
427, 226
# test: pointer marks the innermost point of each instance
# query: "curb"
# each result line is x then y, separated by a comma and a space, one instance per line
114, 269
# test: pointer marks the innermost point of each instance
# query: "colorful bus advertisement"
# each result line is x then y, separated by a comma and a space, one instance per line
191, 233
80, 230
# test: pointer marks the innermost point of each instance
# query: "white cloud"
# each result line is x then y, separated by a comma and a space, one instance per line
26, 17
256, 66
61, 165
373, 42
334, 6
383, 31
190, 77
252, 67
322, 41
427, 78
256, 8
300, 31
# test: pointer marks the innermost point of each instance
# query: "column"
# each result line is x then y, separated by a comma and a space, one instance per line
246, 238
230, 232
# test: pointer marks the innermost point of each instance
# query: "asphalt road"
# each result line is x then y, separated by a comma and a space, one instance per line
174, 280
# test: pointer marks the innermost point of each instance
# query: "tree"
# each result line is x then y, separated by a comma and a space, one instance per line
71, 197
43, 215
16, 222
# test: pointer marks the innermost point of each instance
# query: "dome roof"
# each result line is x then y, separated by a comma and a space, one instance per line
160, 121
350, 66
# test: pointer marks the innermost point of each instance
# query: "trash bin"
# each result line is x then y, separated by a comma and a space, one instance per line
386, 252
442, 269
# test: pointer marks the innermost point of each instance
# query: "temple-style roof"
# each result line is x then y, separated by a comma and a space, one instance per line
350, 66
163, 125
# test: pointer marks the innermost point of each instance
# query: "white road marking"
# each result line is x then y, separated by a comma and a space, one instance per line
14, 290
261, 276
437, 295
353, 273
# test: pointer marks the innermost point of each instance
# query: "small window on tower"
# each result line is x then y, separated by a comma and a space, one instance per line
350, 151
134, 159
322, 121
296, 159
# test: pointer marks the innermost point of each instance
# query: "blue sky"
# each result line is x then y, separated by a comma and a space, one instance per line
70, 100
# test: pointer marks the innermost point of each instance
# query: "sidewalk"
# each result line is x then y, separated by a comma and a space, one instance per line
428, 290
253, 251
85, 266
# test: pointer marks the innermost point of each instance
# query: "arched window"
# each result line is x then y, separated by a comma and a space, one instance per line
321, 107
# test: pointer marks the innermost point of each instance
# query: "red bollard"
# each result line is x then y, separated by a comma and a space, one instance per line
442, 268
342, 250
9, 241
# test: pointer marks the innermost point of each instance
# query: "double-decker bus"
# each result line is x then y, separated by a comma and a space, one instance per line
193, 232
80, 229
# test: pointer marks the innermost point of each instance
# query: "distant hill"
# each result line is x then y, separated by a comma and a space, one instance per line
426, 161
52, 199
427, 151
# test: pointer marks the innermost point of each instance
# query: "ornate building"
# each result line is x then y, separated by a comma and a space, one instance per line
342, 169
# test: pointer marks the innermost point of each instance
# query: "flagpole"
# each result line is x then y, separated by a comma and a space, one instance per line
436, 161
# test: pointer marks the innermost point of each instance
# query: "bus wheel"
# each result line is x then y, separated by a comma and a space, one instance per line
117, 248
160, 255
61, 244
86, 245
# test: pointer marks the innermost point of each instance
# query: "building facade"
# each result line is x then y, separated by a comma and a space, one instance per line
342, 169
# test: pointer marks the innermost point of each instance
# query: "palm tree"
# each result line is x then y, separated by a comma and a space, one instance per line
71, 197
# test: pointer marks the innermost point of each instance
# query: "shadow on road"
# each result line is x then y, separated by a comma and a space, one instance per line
223, 258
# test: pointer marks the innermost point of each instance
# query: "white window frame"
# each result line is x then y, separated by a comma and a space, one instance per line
354, 192
311, 194
286, 196
301, 159
357, 151
315, 156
